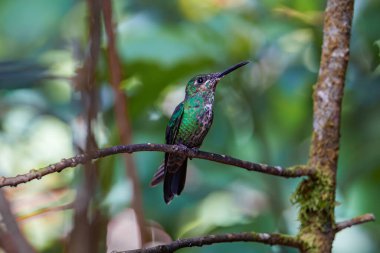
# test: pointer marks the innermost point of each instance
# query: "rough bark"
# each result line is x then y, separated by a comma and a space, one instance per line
316, 195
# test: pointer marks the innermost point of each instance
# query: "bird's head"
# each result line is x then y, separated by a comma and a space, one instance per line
208, 82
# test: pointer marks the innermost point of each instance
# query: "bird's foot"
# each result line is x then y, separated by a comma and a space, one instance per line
194, 150
183, 147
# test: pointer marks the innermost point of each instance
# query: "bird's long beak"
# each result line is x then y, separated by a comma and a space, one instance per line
230, 69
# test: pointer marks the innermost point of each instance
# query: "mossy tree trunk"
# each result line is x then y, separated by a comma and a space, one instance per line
316, 195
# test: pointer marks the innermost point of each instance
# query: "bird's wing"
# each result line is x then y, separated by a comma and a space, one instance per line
174, 124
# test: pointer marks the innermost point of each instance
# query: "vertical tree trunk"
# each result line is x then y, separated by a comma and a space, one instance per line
122, 116
88, 224
316, 195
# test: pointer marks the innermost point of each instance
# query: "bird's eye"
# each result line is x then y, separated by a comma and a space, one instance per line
200, 80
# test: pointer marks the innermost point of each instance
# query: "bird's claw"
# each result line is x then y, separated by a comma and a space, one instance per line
181, 146
193, 152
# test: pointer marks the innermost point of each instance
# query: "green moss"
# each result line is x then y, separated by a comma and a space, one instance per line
316, 199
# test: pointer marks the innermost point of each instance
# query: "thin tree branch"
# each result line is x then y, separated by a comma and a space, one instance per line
354, 221
295, 171
45, 210
270, 239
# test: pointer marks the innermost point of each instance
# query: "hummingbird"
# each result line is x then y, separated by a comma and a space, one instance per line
188, 126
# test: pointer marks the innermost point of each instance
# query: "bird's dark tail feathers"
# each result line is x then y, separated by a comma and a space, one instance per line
174, 182
158, 176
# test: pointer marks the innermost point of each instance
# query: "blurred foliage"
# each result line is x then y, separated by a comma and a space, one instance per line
263, 112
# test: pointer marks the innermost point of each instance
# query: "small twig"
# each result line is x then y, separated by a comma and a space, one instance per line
270, 239
45, 210
354, 221
296, 171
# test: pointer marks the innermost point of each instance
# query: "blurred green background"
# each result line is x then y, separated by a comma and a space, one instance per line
263, 113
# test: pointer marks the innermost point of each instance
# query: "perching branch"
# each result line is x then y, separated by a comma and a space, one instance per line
354, 221
270, 239
296, 171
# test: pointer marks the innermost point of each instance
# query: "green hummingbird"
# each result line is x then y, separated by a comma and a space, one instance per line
188, 126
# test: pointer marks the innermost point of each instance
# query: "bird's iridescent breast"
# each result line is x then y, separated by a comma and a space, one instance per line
196, 121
